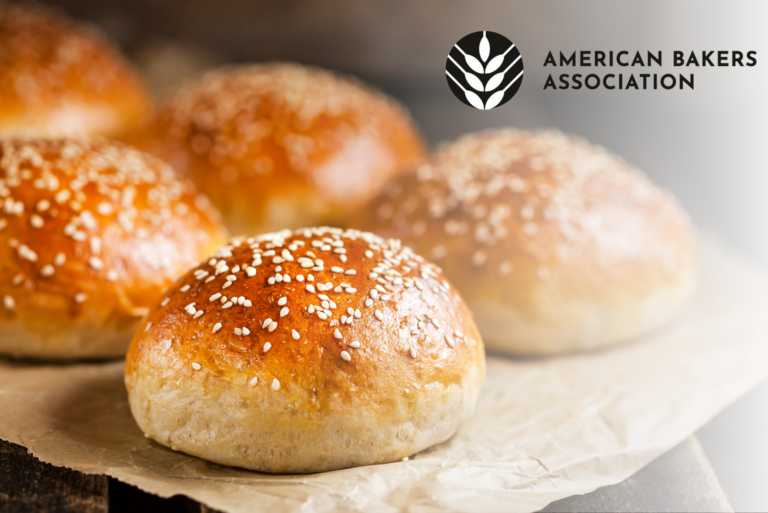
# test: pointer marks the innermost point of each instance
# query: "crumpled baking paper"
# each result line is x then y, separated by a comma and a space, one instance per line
545, 428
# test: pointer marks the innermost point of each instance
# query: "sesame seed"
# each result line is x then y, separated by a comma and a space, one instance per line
184, 288
412, 352
231, 277
345, 356
284, 312
275, 384
228, 304
309, 288
215, 297
272, 326
374, 293
216, 327
250, 271
369, 253
282, 301
350, 272
295, 335
60, 259
337, 333
254, 381
267, 347
368, 302
197, 366
450, 341
36, 221
238, 331
149, 325
354, 345
168, 344
9, 302
81, 297
198, 314
266, 323
378, 315
165, 301
337, 269
47, 270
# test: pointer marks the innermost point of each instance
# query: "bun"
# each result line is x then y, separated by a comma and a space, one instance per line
306, 351
90, 235
60, 78
555, 244
280, 145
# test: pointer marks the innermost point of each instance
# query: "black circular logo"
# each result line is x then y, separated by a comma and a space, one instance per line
484, 70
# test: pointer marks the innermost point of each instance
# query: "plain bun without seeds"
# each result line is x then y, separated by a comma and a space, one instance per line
91, 232
306, 351
281, 145
58, 77
556, 245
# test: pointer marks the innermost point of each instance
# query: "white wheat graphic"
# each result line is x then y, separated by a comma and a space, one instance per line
474, 81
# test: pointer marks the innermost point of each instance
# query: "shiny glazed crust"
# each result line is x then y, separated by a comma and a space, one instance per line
555, 244
306, 351
91, 232
280, 145
60, 78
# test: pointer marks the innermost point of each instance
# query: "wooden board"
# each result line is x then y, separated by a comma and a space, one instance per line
680, 480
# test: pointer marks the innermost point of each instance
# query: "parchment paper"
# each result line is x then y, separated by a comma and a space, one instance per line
544, 429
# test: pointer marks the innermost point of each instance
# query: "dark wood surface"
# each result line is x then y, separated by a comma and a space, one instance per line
680, 480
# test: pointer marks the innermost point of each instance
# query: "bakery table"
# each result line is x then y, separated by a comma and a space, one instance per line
680, 480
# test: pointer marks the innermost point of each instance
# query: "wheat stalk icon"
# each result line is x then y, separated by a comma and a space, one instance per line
477, 67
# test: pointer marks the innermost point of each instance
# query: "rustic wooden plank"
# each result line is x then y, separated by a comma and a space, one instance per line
27, 484
124, 498
679, 480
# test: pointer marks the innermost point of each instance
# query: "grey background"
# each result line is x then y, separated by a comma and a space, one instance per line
707, 146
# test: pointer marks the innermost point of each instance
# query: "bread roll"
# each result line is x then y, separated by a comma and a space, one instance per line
555, 244
90, 235
60, 78
306, 351
280, 145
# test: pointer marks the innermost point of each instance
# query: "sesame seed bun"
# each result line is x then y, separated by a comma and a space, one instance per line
91, 232
306, 351
555, 244
60, 78
280, 145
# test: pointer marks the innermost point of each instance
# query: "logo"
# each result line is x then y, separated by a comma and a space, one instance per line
484, 70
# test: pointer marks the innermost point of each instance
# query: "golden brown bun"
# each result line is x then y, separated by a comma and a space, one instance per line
555, 244
60, 78
91, 232
280, 145
298, 376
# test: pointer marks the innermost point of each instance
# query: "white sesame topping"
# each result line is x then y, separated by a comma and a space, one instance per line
295, 335
368, 302
215, 297
60, 259
238, 331
9, 302
354, 345
266, 323
228, 304
254, 381
165, 301
284, 312
275, 384
36, 221
47, 270
198, 314
368, 253
378, 315
350, 272
337, 333
197, 366
184, 288
216, 327
282, 301
246, 331
81, 297
345, 356
96, 263
168, 343
272, 326
231, 277
267, 347
412, 352
310, 288
250, 271
337, 269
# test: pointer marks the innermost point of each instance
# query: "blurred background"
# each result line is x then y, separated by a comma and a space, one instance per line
707, 146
